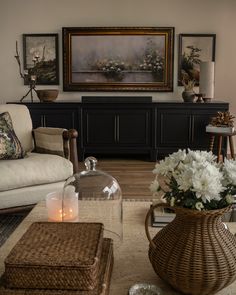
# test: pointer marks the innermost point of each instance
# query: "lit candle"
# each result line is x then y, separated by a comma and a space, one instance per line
62, 210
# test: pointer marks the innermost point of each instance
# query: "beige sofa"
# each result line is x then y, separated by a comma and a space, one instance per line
26, 181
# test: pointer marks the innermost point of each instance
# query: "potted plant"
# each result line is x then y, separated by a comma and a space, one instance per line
195, 248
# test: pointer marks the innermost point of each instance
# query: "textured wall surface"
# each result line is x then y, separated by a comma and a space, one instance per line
187, 16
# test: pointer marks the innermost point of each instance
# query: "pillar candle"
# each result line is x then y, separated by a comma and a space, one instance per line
59, 209
206, 81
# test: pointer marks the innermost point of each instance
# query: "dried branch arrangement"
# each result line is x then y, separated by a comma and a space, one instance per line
223, 119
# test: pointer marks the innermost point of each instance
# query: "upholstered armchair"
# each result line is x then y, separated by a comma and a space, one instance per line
48, 157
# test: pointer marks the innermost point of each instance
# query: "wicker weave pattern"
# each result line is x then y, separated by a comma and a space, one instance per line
195, 253
102, 284
56, 256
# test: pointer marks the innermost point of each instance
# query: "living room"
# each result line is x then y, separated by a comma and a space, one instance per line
205, 17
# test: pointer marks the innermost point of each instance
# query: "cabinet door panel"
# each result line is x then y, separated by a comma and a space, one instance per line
99, 127
133, 127
37, 118
53, 118
59, 118
174, 128
200, 139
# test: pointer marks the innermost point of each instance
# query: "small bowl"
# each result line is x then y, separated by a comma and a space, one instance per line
145, 289
47, 95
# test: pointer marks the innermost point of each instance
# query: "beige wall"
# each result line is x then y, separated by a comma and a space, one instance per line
187, 16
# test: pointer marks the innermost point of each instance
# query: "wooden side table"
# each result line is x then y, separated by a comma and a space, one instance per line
220, 137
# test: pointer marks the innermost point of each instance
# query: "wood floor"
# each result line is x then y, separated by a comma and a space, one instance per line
133, 175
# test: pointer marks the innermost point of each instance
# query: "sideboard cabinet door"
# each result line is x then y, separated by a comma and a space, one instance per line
53, 115
116, 129
182, 126
173, 130
99, 127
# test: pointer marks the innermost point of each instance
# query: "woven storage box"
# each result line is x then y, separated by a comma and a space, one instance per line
103, 282
53, 255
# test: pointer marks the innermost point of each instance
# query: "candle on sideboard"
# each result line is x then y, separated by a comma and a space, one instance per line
206, 81
62, 210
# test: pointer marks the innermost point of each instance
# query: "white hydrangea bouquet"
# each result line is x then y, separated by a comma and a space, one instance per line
194, 180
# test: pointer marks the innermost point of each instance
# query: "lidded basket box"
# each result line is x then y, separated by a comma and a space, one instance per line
53, 255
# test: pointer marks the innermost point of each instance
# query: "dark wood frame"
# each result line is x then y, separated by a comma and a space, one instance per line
181, 36
167, 66
26, 37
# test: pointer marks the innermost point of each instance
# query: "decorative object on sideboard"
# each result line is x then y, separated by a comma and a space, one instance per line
47, 95
206, 81
188, 94
199, 97
200, 191
30, 77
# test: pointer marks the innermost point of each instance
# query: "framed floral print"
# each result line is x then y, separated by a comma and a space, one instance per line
118, 59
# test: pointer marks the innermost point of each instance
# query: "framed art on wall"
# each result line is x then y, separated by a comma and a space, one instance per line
40, 53
118, 59
194, 48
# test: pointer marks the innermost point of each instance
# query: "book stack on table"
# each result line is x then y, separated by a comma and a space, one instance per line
160, 216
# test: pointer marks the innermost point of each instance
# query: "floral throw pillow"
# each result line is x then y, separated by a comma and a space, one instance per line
10, 146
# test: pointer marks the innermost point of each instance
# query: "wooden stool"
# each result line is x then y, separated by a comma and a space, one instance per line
220, 139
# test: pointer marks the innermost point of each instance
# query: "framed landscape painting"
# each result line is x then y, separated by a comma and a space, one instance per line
194, 48
118, 59
40, 52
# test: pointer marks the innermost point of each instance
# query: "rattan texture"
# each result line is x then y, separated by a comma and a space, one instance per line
195, 253
102, 284
53, 255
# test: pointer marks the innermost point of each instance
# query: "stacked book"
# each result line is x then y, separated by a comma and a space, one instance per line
161, 216
59, 258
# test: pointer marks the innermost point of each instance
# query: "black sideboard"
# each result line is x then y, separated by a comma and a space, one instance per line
120, 127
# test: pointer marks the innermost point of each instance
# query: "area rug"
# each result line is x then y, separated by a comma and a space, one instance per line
8, 223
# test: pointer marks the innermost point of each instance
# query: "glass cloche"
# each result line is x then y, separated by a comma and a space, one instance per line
100, 199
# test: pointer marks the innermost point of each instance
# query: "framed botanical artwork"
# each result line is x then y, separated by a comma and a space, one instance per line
40, 54
118, 59
194, 48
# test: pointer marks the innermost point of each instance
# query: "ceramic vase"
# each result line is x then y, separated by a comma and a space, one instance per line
188, 96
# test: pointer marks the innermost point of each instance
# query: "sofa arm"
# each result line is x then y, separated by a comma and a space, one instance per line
57, 141
71, 136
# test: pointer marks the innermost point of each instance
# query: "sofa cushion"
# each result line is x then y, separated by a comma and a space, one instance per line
10, 146
49, 141
34, 169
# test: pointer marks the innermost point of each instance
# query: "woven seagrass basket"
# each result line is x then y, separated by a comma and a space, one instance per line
102, 284
194, 253
55, 255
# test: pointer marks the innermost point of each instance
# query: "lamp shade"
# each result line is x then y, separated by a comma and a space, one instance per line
207, 79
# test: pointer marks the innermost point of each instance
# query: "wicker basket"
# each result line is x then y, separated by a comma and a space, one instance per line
56, 256
194, 253
103, 282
